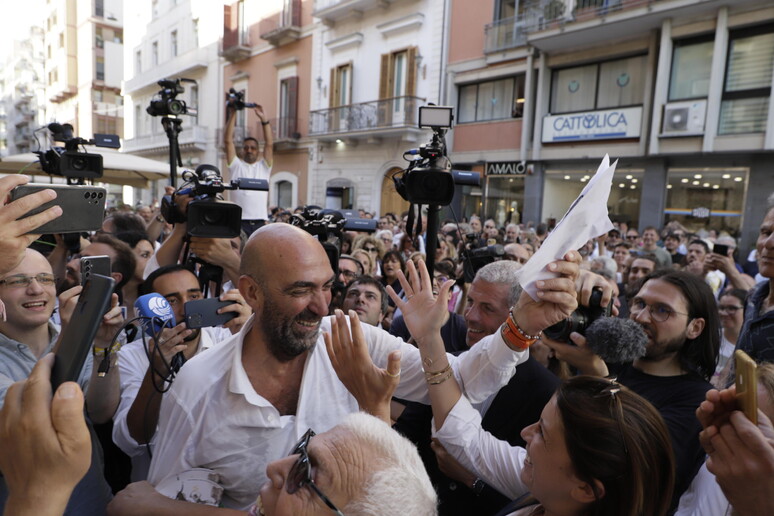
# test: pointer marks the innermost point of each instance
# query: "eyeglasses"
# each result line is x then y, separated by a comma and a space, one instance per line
301, 473
23, 281
370, 249
349, 274
658, 312
632, 237
730, 309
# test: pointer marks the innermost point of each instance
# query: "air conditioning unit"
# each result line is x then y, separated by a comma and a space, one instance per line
684, 118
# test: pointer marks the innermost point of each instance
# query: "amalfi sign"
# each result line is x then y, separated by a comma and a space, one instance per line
593, 125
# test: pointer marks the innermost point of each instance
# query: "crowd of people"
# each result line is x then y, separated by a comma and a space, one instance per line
364, 385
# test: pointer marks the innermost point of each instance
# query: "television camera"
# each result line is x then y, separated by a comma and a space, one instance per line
166, 102
71, 162
236, 99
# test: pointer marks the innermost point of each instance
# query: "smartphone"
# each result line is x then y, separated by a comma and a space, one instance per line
203, 313
83, 207
720, 249
77, 337
746, 385
94, 265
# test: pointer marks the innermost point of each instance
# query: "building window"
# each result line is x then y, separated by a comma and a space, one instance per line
193, 103
605, 85
61, 39
241, 25
99, 8
155, 8
747, 87
173, 42
491, 100
341, 85
100, 68
286, 126
99, 42
691, 66
195, 32
137, 62
284, 194
155, 53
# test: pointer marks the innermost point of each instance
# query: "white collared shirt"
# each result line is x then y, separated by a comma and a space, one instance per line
213, 418
133, 365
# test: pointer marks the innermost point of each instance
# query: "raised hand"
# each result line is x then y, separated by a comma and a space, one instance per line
371, 386
423, 313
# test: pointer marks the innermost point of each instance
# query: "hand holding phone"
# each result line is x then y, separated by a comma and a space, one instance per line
83, 208
746, 385
204, 312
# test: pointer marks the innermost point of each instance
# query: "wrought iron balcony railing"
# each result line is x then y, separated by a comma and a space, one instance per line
391, 113
505, 34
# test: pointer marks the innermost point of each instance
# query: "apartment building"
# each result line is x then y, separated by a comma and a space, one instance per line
22, 94
374, 64
174, 40
678, 90
84, 65
267, 47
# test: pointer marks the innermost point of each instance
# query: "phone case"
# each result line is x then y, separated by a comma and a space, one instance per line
91, 265
77, 337
202, 313
83, 207
746, 385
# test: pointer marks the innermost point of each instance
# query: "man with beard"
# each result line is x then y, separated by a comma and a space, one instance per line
142, 383
678, 313
235, 409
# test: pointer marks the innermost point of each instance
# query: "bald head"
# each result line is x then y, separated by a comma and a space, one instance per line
273, 245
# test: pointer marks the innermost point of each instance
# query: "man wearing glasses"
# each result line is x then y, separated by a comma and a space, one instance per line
28, 292
678, 313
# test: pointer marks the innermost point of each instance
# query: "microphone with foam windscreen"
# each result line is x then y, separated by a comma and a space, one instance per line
156, 308
616, 340
159, 315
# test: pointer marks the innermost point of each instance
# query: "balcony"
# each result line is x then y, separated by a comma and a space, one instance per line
178, 66
192, 137
288, 27
505, 34
393, 117
552, 25
331, 11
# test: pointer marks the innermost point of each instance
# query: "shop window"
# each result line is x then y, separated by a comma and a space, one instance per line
284, 193
691, 66
617, 83
706, 198
747, 86
491, 100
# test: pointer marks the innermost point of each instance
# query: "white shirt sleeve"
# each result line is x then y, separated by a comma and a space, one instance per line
133, 365
481, 371
498, 463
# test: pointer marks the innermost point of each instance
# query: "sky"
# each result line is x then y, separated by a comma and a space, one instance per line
16, 21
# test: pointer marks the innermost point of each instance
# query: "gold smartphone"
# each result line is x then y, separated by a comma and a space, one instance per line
746, 385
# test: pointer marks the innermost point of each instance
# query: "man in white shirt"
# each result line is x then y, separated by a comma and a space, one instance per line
236, 409
134, 423
253, 166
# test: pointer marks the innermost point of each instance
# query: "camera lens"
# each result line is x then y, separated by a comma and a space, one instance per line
78, 164
86, 195
176, 107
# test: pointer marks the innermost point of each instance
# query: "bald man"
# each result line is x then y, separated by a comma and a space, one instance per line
236, 408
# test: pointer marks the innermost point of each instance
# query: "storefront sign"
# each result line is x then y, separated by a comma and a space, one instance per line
701, 213
593, 125
505, 168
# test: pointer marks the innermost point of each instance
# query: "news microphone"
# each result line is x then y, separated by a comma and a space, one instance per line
156, 308
616, 340
159, 312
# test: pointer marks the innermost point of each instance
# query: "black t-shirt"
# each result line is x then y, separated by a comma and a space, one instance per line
676, 398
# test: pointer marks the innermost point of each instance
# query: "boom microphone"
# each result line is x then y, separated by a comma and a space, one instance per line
616, 340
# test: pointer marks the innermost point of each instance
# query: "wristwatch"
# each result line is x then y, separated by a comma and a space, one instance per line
265, 123
478, 486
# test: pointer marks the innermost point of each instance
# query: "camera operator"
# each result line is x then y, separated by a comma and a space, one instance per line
252, 165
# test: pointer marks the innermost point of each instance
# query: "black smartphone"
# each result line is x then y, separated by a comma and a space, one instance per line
94, 265
77, 337
203, 313
83, 207
720, 249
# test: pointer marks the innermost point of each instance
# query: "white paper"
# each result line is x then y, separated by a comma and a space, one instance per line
585, 219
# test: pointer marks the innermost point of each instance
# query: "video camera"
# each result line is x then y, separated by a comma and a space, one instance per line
327, 226
429, 179
476, 256
70, 162
167, 103
236, 99
208, 215
580, 319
